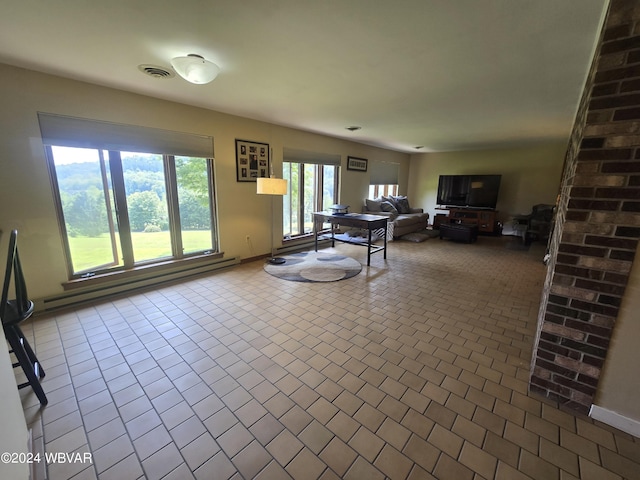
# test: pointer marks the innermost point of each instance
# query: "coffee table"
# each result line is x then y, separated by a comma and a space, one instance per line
358, 220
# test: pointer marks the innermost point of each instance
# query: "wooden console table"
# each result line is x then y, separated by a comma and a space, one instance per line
486, 220
358, 220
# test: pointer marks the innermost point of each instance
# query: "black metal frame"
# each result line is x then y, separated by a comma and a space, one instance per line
12, 313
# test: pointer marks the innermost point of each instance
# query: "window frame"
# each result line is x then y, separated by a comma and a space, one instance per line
122, 215
318, 196
382, 190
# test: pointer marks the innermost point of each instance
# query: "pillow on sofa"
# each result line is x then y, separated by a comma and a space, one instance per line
373, 205
388, 207
402, 204
389, 199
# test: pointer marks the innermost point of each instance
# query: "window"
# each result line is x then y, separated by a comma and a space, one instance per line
383, 179
313, 186
119, 208
376, 191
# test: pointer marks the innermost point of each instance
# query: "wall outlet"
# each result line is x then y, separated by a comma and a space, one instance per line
248, 238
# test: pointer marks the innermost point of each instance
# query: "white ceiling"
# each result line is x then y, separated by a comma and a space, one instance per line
443, 74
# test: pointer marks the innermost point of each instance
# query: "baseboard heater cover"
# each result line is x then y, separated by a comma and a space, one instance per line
96, 292
301, 246
614, 419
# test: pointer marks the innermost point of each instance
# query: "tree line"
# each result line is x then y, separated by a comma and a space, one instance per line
84, 203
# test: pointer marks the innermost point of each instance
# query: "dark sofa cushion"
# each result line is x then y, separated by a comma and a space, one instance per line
388, 207
402, 204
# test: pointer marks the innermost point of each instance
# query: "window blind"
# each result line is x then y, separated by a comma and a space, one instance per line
383, 173
302, 156
67, 131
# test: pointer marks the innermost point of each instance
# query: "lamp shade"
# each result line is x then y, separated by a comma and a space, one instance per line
271, 186
195, 69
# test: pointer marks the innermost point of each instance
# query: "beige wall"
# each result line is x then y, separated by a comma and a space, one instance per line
529, 175
25, 191
615, 390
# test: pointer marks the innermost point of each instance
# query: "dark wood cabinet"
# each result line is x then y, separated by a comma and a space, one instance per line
486, 220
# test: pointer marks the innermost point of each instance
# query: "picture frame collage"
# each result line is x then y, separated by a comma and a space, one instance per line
252, 160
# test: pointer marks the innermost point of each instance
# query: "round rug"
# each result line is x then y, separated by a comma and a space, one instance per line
314, 267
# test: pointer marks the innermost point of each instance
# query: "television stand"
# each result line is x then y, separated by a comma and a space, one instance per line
485, 219
466, 207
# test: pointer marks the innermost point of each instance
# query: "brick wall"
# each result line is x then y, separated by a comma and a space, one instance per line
597, 223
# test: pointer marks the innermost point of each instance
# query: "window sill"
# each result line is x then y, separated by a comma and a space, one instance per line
143, 272
297, 238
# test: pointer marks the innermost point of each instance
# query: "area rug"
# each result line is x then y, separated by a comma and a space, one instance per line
315, 267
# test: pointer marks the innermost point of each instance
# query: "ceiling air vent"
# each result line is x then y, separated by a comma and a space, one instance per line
156, 71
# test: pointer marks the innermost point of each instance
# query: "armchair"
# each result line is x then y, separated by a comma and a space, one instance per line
538, 224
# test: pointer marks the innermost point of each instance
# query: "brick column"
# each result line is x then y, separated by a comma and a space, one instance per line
598, 221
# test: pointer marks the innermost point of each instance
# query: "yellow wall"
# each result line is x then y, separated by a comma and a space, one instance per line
615, 391
25, 193
529, 175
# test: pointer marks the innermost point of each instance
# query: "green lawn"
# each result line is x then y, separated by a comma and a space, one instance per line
91, 252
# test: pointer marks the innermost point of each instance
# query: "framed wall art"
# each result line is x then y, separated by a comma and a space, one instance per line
358, 164
252, 160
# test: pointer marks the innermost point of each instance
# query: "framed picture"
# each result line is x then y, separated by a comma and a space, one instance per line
252, 160
355, 163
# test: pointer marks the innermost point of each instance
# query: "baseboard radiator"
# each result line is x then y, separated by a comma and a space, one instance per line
80, 296
303, 245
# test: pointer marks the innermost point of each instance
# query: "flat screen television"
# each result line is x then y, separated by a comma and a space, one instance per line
473, 191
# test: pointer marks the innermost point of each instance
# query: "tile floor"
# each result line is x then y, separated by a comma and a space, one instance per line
417, 368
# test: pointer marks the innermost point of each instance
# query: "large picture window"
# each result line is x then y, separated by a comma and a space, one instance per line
128, 207
313, 186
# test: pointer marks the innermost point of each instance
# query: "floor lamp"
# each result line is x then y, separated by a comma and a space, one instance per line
272, 186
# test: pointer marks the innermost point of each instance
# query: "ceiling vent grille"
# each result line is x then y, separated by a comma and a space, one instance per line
156, 71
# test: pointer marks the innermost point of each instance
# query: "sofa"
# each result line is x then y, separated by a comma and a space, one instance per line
403, 218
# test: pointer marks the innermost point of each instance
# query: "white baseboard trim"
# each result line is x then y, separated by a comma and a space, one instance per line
614, 419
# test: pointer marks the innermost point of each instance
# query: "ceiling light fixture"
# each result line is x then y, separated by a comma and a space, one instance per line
195, 69
353, 128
